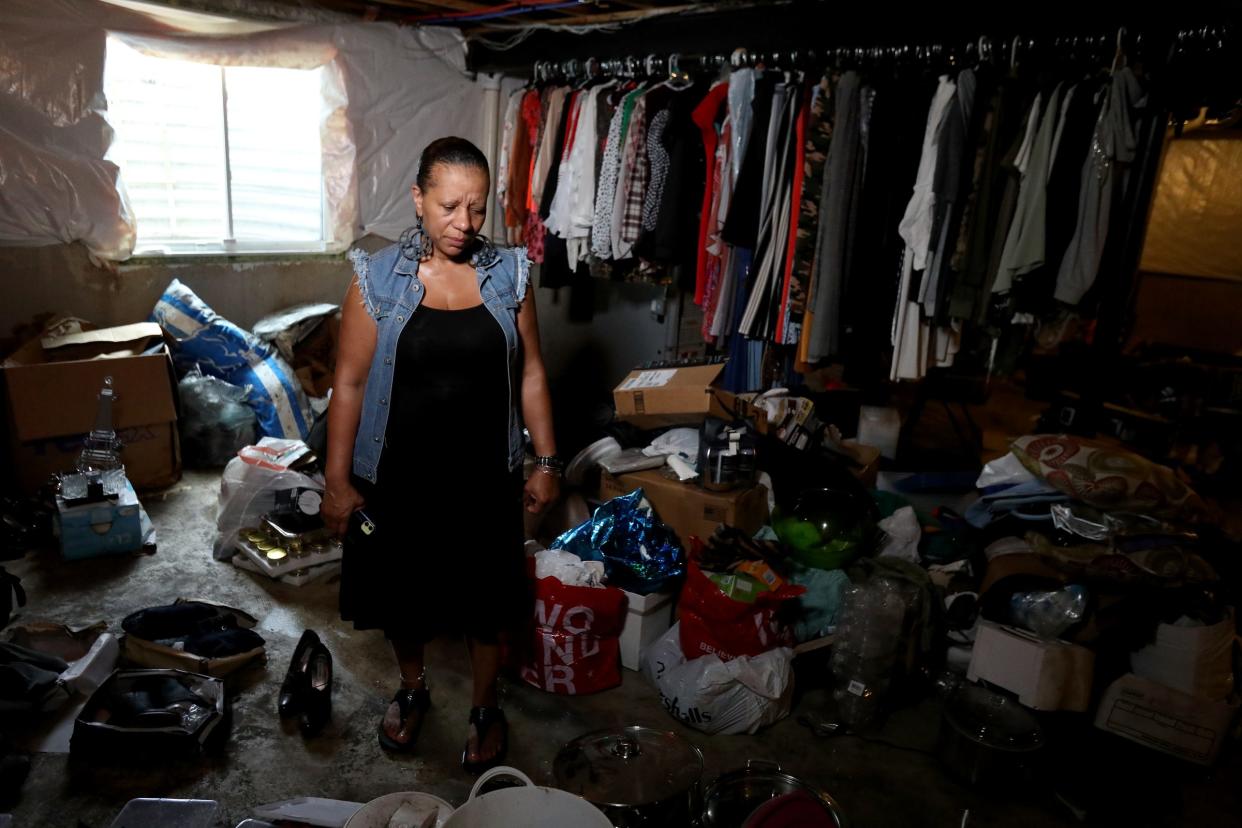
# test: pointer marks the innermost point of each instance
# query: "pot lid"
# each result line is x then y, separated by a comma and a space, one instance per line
993, 720
628, 766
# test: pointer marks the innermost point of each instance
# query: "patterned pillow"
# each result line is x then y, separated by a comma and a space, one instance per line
1105, 477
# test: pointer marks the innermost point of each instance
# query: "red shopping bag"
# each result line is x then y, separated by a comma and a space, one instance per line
712, 623
573, 665
578, 610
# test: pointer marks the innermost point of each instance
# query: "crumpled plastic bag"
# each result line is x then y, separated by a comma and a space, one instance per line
1050, 613
568, 568
250, 486
1004, 472
216, 421
738, 696
639, 553
901, 535
679, 442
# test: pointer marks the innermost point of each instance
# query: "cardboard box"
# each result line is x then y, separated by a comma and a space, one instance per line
647, 618
1194, 660
1189, 727
653, 398
1046, 674
689, 509
110, 527
51, 390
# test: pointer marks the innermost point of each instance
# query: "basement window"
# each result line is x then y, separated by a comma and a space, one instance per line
217, 159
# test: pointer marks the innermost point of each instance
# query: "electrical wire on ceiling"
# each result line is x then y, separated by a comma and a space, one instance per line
494, 12
524, 32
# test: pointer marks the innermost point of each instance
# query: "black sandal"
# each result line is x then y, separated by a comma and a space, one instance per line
484, 719
407, 701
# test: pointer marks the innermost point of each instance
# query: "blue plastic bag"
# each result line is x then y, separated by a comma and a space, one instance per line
221, 349
640, 554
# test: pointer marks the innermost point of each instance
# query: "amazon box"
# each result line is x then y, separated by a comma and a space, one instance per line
688, 509
658, 397
51, 390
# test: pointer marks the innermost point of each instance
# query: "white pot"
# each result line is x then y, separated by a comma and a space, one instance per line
378, 813
529, 806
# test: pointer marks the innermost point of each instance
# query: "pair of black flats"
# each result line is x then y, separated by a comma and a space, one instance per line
306, 692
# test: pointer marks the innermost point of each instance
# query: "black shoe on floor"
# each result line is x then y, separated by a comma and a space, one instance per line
317, 695
292, 689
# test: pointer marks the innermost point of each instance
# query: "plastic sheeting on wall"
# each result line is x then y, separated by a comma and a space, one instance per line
390, 90
1196, 213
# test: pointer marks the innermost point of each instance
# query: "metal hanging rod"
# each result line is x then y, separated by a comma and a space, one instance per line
1203, 41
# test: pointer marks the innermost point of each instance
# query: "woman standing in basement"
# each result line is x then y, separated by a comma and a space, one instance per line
438, 368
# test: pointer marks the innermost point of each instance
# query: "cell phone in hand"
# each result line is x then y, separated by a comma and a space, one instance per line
361, 526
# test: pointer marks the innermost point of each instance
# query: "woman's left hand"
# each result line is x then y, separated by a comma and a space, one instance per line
542, 490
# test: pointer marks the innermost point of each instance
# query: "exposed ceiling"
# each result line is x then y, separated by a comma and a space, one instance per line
511, 36
473, 16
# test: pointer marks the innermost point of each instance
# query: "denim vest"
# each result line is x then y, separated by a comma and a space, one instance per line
392, 292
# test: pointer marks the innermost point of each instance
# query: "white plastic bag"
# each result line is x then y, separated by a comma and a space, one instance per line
739, 696
568, 568
682, 442
249, 487
901, 535
1004, 471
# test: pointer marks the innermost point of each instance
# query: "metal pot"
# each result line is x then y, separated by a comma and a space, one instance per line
636, 775
735, 795
988, 739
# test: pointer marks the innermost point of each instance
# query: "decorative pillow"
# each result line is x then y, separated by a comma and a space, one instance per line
1106, 477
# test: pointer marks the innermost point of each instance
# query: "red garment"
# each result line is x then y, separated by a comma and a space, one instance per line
522, 158
535, 232
795, 202
706, 115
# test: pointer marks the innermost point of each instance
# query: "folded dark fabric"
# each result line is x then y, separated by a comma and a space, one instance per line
150, 702
16, 653
170, 621
23, 687
222, 643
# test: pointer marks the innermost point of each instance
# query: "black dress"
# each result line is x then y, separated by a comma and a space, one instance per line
446, 557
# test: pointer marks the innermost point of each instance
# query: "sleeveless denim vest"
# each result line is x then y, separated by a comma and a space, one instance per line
392, 292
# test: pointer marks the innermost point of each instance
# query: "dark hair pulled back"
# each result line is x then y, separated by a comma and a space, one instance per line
452, 151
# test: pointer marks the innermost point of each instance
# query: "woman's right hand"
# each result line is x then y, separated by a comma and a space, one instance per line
340, 500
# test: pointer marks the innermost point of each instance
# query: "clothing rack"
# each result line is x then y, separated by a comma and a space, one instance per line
1103, 48
758, 255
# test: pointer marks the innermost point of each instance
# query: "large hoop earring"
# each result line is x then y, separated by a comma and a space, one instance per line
415, 242
486, 253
